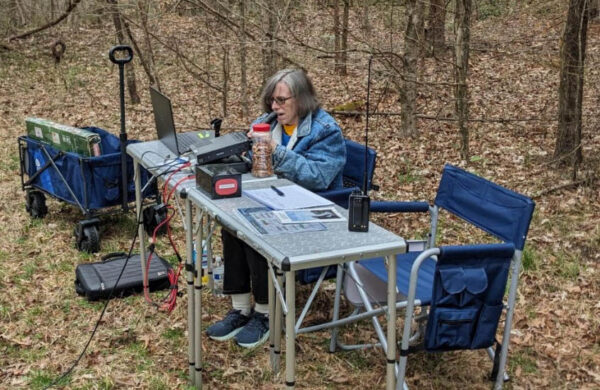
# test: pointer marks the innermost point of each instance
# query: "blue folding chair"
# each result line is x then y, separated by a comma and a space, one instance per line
463, 286
353, 174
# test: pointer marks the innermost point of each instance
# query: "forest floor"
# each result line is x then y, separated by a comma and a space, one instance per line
514, 74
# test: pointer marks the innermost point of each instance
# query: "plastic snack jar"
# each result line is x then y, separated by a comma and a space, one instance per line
262, 164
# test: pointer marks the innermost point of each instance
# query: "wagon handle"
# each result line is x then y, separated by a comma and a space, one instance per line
118, 48
123, 136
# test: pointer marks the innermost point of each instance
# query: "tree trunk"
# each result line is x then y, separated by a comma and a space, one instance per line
269, 65
462, 22
12, 11
225, 80
129, 70
21, 13
594, 6
243, 80
344, 42
437, 27
337, 36
149, 66
208, 57
570, 92
366, 23
412, 51
140, 55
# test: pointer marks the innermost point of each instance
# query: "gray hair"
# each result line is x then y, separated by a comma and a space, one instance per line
300, 86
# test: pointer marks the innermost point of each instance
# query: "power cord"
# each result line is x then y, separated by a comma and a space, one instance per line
68, 372
97, 325
170, 301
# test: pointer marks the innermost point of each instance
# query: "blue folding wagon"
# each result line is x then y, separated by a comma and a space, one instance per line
93, 184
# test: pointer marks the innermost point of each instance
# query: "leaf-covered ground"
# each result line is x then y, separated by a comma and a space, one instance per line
514, 74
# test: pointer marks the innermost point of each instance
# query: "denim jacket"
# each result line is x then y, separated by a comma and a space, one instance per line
316, 161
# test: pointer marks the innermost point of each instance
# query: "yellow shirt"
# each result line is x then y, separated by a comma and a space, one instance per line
289, 129
286, 134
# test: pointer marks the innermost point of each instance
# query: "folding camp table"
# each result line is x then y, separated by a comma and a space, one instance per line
285, 253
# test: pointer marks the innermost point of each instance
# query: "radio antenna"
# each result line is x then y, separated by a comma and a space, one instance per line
365, 173
359, 204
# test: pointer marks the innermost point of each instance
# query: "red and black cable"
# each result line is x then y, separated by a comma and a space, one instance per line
170, 301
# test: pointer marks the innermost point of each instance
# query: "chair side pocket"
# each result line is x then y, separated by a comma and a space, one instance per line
487, 325
452, 328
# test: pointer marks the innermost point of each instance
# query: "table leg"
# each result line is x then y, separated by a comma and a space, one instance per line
190, 294
197, 303
272, 298
391, 323
209, 255
199, 237
198, 330
137, 174
290, 332
277, 325
336, 307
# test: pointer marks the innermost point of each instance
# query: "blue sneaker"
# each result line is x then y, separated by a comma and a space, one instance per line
228, 327
255, 332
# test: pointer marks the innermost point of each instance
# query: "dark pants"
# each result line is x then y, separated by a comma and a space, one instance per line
245, 269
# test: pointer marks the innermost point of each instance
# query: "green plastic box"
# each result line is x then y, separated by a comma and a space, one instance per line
63, 137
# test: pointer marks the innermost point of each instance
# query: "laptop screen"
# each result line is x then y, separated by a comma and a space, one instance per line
163, 117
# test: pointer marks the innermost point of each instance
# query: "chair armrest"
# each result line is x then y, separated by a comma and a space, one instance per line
379, 206
339, 196
477, 250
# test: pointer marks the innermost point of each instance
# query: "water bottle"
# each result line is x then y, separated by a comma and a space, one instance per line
218, 277
204, 261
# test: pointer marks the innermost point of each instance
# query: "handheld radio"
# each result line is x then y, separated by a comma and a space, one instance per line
359, 203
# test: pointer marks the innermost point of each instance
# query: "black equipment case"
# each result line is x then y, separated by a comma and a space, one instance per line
96, 280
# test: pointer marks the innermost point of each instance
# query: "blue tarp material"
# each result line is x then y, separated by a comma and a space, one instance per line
95, 181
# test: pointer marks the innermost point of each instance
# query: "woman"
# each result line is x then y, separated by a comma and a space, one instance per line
307, 148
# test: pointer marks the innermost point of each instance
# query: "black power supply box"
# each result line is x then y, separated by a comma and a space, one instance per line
221, 180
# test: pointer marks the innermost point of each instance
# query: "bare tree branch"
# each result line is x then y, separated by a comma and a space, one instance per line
145, 65
230, 22
48, 25
561, 187
182, 57
441, 118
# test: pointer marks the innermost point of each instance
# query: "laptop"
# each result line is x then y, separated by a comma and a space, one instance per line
165, 127
203, 143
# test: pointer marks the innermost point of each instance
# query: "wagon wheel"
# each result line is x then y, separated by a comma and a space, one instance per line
89, 240
35, 204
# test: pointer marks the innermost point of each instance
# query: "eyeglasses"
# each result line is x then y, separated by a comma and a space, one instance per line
280, 100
